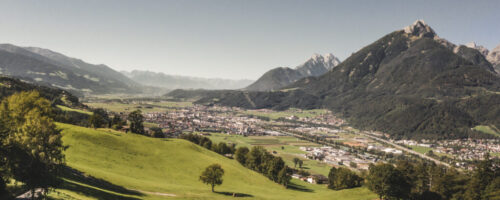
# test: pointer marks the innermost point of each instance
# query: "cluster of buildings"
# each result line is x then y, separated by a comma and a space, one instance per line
335, 156
207, 119
462, 150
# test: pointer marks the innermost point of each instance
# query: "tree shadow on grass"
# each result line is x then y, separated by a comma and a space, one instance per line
234, 194
87, 185
300, 188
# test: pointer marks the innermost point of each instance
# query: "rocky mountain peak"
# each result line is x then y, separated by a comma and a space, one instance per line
420, 29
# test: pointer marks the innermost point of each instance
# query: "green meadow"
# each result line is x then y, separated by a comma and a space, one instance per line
488, 129
106, 164
64, 108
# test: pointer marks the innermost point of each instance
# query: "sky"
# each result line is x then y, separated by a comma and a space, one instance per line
231, 38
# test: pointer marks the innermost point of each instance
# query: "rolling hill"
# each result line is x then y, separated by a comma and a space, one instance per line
410, 83
45, 67
129, 166
280, 77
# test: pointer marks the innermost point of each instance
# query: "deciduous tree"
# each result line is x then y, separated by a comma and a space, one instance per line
212, 175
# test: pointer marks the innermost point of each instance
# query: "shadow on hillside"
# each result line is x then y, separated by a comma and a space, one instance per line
234, 194
293, 186
89, 182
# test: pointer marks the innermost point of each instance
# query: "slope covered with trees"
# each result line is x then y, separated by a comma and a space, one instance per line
409, 84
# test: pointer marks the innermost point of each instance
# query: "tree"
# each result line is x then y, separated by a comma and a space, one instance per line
98, 119
284, 177
254, 158
117, 122
136, 122
274, 167
295, 162
387, 182
212, 175
241, 154
30, 140
157, 132
342, 178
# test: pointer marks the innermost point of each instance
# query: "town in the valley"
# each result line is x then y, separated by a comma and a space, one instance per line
318, 136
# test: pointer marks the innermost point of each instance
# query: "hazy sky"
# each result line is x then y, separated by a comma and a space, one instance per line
231, 39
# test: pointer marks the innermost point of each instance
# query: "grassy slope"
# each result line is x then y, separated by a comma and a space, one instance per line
65, 108
167, 166
487, 129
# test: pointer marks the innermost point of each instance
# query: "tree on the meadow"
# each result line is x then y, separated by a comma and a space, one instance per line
97, 119
284, 177
254, 158
241, 155
136, 122
212, 175
156, 132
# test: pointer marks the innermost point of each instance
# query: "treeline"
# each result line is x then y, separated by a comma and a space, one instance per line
421, 180
257, 158
260, 160
221, 148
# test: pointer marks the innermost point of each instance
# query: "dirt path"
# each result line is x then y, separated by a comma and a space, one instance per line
156, 193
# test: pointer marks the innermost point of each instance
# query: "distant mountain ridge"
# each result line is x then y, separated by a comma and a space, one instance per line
159, 79
280, 77
410, 83
45, 67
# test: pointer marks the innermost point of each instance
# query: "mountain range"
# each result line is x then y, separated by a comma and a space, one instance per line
282, 76
45, 67
159, 79
410, 83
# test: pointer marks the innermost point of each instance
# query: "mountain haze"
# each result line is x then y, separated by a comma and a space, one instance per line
159, 79
280, 77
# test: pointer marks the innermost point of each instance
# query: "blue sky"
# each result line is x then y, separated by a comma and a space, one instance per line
231, 39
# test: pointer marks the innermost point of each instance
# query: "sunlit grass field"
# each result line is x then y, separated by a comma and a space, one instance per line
64, 108
128, 166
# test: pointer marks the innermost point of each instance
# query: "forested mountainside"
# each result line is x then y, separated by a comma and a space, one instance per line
410, 83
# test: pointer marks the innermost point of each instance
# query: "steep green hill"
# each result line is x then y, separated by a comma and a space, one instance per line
118, 165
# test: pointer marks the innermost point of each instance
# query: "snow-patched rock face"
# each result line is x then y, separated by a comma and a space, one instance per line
318, 65
494, 56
